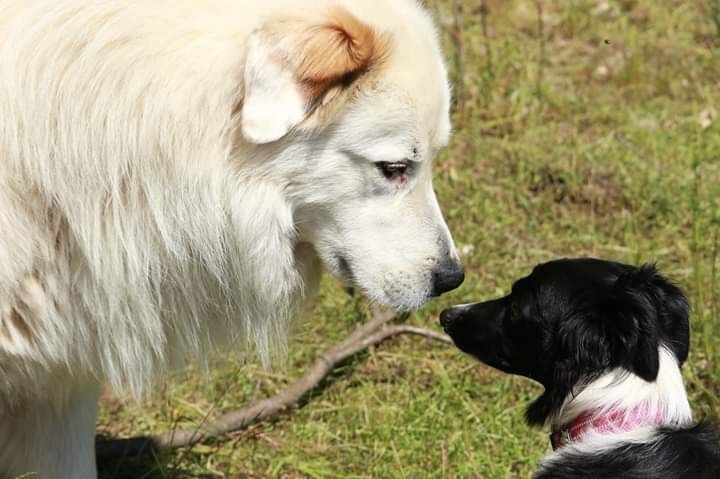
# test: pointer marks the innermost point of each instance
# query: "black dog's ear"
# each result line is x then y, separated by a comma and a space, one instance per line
649, 311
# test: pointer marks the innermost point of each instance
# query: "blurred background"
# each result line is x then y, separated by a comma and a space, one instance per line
582, 128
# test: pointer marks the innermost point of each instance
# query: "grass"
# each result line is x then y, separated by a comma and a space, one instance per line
598, 138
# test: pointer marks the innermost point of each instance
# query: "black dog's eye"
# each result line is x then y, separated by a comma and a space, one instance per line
392, 170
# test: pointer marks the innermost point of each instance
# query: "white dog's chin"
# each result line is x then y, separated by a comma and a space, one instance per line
401, 302
393, 289
398, 297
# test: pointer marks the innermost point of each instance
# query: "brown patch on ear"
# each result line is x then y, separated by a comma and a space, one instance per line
336, 52
299, 72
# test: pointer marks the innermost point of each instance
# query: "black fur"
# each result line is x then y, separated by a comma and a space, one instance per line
692, 453
570, 321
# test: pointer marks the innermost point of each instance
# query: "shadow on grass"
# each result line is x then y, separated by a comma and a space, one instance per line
139, 469
137, 458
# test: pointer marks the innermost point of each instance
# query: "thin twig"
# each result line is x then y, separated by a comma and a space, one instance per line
366, 335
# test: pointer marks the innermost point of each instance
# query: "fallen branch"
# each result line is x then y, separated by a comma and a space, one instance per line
366, 335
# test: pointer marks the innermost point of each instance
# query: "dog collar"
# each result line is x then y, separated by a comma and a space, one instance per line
614, 420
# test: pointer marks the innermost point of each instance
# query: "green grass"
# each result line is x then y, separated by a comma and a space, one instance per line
588, 141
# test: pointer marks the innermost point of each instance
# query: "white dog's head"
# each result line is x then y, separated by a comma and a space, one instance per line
353, 116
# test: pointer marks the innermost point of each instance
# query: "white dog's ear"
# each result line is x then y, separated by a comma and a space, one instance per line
293, 66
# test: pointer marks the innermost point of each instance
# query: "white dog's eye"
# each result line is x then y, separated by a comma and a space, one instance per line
392, 170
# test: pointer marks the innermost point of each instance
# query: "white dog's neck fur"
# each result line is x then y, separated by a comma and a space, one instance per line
665, 398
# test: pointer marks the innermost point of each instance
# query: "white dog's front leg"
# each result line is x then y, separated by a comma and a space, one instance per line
51, 440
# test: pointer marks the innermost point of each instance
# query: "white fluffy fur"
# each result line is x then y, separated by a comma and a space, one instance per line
620, 389
138, 227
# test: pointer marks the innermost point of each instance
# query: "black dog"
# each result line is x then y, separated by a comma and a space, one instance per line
606, 340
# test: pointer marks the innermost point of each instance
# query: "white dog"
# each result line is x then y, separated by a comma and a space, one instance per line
173, 171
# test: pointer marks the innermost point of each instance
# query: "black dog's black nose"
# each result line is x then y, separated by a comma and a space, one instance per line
449, 316
448, 277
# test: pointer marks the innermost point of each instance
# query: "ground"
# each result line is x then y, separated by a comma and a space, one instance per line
582, 128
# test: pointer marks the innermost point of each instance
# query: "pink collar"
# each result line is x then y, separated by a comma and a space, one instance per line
614, 420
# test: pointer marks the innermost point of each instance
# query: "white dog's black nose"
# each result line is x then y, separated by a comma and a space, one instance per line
448, 277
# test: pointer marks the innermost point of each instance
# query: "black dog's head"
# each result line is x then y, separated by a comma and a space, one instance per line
572, 319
